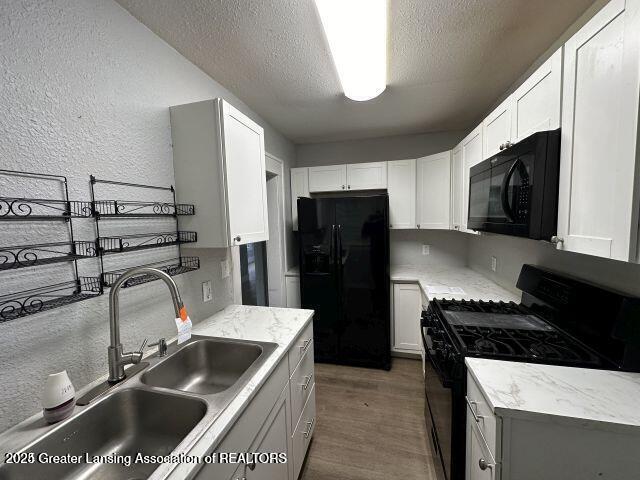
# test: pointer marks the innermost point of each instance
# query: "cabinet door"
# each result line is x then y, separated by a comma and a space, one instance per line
328, 179
407, 307
434, 191
456, 187
597, 214
245, 174
497, 129
273, 438
471, 156
293, 292
480, 464
367, 176
402, 194
299, 188
536, 103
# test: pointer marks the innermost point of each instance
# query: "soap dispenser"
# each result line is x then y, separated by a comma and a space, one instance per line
58, 397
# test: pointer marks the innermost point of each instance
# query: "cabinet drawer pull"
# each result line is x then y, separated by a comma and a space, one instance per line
304, 345
307, 432
238, 238
307, 381
476, 417
482, 463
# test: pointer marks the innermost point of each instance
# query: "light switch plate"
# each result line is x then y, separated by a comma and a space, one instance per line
207, 291
426, 249
225, 268
494, 263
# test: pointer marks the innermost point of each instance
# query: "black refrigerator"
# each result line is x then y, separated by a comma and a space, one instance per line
344, 277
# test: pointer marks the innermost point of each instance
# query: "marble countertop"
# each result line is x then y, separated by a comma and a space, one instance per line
587, 397
292, 272
278, 325
475, 285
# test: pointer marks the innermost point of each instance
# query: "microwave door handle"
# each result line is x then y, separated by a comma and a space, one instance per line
504, 191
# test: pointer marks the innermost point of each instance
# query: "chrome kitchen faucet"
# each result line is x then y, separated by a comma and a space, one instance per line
117, 358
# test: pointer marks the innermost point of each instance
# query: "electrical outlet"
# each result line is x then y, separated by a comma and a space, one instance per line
225, 268
207, 291
494, 263
426, 249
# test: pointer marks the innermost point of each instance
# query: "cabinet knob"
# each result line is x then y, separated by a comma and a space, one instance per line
418, 225
390, 226
238, 238
501, 146
251, 466
349, 187
482, 463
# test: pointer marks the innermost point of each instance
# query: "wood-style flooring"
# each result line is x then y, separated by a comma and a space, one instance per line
370, 424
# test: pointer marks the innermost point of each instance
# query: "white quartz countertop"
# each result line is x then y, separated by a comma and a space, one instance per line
292, 272
277, 325
599, 398
475, 285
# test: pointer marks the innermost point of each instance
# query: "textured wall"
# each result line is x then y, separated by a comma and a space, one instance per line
375, 149
85, 89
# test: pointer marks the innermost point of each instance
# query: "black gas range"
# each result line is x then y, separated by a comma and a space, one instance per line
560, 321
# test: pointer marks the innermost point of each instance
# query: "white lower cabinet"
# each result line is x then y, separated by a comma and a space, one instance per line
269, 424
407, 308
549, 447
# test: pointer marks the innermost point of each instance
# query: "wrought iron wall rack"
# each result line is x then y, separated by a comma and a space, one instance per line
173, 267
142, 241
127, 209
40, 299
20, 256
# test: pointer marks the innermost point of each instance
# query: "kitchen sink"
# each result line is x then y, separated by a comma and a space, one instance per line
205, 366
123, 423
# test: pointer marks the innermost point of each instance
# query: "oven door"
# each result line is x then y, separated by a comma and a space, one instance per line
438, 409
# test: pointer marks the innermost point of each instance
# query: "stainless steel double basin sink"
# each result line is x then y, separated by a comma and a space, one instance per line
150, 414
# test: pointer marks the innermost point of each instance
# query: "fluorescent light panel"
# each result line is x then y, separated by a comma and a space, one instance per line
357, 34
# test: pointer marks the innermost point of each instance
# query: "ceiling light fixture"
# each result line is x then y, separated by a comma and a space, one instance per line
357, 34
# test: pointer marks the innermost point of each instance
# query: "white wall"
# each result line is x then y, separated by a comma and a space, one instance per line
446, 248
86, 89
513, 252
375, 149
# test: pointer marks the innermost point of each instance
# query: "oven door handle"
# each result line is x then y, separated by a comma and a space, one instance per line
504, 191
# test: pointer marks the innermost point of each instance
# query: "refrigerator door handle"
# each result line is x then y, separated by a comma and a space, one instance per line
339, 245
331, 245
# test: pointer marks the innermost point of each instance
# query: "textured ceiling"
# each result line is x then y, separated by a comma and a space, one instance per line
449, 60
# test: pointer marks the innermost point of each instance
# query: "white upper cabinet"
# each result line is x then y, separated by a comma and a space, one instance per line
299, 188
219, 165
497, 129
597, 211
536, 103
433, 207
329, 178
402, 194
245, 177
367, 176
471, 156
456, 187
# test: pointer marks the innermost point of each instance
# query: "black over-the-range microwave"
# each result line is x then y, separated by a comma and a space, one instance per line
515, 192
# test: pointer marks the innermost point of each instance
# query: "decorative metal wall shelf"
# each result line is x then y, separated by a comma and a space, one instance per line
121, 209
132, 209
23, 208
173, 267
46, 298
21, 256
143, 241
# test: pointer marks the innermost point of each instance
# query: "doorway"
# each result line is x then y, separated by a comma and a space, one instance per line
262, 264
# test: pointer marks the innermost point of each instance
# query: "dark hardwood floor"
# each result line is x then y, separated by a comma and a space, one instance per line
370, 424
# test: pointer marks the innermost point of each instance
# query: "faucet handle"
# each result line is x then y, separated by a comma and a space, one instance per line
162, 347
144, 344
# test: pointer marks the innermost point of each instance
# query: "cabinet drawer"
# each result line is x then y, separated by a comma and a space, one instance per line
303, 432
300, 385
479, 412
300, 347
